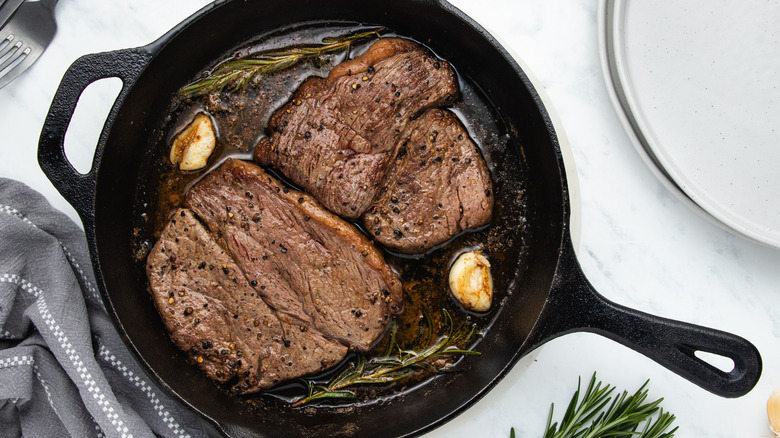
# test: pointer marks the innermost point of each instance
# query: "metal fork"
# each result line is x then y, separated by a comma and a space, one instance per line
24, 37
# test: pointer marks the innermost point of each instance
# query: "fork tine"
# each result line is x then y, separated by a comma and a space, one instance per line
14, 60
7, 57
24, 38
13, 69
6, 42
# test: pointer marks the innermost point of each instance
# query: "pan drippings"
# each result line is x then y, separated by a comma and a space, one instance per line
240, 120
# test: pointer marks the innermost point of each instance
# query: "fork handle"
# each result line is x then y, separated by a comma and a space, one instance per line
7, 10
79, 188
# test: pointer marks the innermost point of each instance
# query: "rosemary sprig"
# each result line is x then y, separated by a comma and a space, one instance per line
235, 74
599, 415
391, 368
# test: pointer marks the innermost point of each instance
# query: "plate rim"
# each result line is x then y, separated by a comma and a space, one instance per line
611, 22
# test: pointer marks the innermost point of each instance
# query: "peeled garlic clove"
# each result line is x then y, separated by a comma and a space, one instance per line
192, 147
773, 412
471, 282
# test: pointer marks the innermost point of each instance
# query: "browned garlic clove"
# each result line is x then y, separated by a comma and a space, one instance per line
471, 282
192, 147
773, 412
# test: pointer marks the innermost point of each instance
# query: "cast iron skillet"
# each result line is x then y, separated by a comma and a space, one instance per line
553, 297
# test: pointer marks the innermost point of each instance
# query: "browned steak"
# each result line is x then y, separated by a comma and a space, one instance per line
213, 313
337, 134
437, 187
304, 261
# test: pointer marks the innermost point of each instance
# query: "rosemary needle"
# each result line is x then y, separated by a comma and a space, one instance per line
236, 74
598, 414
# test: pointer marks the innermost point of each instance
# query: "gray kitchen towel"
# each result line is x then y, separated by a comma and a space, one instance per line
64, 371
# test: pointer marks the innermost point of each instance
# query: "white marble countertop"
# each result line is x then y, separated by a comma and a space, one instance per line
639, 245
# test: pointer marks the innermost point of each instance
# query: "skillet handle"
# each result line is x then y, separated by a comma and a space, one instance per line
670, 343
77, 188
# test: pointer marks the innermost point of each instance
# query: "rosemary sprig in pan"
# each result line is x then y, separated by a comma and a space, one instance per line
391, 368
599, 415
235, 74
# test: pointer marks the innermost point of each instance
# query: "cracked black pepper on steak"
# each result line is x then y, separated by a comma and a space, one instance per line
257, 302
348, 140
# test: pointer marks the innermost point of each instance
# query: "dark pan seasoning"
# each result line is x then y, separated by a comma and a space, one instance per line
241, 120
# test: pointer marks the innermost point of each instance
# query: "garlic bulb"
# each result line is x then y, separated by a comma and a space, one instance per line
773, 412
193, 146
471, 282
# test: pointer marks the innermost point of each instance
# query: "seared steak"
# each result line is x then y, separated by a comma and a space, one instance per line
272, 287
336, 135
437, 186
307, 262
213, 314
357, 140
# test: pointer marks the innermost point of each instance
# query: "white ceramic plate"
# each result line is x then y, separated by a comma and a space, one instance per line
697, 86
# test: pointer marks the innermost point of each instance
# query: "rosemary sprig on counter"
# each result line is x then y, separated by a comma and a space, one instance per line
390, 368
599, 415
235, 74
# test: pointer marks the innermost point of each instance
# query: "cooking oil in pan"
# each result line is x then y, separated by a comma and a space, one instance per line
240, 119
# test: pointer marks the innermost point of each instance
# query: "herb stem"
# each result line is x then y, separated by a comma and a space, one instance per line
389, 368
236, 74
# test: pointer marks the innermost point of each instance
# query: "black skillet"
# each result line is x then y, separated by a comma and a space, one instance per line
551, 296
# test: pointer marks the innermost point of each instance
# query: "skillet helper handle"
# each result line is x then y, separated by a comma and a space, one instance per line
574, 305
77, 188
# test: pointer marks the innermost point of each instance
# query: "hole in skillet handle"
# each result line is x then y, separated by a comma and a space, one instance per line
722, 363
83, 134
76, 187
